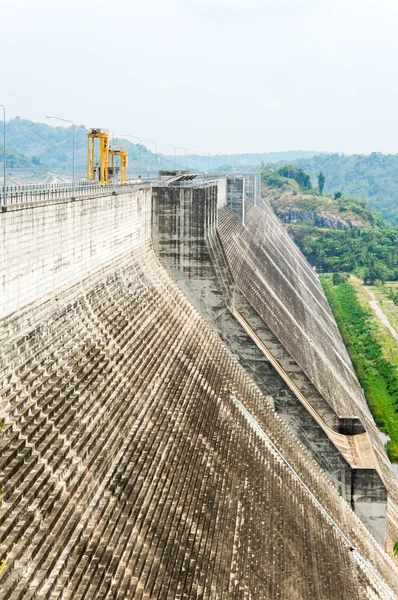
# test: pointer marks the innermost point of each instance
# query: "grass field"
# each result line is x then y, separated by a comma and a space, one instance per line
388, 306
387, 342
373, 352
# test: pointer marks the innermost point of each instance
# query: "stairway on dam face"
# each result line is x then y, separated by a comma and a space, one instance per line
128, 471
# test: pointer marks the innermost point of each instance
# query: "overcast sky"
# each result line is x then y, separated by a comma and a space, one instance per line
211, 75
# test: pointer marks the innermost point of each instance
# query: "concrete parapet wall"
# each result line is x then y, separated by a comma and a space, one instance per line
57, 243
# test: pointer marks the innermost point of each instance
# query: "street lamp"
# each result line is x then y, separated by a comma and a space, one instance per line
4, 157
175, 153
140, 140
185, 150
73, 149
195, 153
156, 146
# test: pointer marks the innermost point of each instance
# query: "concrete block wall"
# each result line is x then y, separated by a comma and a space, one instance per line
252, 187
47, 246
236, 196
221, 192
182, 217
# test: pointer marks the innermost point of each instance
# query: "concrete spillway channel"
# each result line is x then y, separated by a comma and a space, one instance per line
128, 471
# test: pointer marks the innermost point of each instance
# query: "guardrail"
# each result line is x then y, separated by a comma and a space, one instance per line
23, 194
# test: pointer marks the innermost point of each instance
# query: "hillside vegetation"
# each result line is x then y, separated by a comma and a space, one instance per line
373, 353
17, 160
51, 146
336, 232
373, 177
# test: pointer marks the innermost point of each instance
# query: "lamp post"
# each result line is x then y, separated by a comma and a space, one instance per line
73, 149
140, 140
156, 146
175, 153
194, 153
185, 151
4, 156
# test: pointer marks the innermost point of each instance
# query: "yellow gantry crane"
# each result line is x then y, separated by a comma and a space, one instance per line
122, 153
3, 562
103, 137
107, 162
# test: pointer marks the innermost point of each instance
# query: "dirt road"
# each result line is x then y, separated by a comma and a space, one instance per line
375, 306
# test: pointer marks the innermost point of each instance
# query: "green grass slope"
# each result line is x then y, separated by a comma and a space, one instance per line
375, 366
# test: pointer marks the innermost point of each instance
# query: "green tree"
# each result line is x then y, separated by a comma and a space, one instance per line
339, 278
299, 175
374, 273
321, 182
337, 194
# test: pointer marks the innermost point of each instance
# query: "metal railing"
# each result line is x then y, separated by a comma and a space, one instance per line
22, 194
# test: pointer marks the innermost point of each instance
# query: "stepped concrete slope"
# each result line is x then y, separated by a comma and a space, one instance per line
213, 249
131, 468
285, 292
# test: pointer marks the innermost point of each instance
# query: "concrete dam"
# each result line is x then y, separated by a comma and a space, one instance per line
179, 415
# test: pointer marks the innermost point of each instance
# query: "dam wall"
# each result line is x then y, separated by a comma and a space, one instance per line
188, 244
129, 471
236, 196
129, 465
252, 187
272, 274
54, 244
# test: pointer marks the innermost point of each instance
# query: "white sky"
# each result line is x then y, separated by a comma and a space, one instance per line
211, 75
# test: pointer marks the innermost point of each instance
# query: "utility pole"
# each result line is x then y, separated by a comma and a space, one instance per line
4, 157
175, 153
140, 141
73, 149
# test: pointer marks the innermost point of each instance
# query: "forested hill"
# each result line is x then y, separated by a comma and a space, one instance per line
374, 177
17, 160
336, 232
51, 145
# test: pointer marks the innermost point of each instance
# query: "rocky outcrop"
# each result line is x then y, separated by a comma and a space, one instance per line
293, 215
